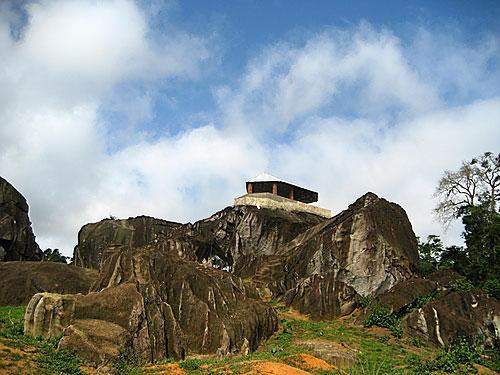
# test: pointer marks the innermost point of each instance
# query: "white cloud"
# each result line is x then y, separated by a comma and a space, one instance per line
365, 113
343, 112
287, 82
53, 80
344, 159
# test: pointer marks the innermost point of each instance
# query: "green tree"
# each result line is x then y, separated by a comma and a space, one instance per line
482, 239
53, 255
475, 183
471, 193
429, 254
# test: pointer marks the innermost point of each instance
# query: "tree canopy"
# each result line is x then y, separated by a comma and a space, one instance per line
472, 194
476, 182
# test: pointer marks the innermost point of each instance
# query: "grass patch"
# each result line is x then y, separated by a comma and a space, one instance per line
191, 364
48, 358
11, 322
51, 360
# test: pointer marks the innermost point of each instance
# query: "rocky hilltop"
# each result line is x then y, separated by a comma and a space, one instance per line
94, 238
364, 250
160, 289
17, 241
166, 289
234, 239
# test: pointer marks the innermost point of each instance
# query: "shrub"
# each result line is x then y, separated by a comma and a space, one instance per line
461, 285
365, 301
457, 358
491, 286
127, 363
381, 316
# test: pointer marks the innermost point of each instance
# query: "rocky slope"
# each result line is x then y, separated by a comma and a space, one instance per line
157, 304
167, 290
19, 281
239, 238
234, 239
432, 310
364, 250
17, 241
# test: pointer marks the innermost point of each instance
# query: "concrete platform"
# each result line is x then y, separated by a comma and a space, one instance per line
273, 201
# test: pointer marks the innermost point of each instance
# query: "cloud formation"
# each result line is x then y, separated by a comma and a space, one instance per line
342, 111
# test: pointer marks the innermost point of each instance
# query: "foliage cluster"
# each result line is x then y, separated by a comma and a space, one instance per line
471, 193
459, 357
382, 316
53, 255
127, 363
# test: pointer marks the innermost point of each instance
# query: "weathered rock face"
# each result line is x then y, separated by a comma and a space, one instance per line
151, 300
433, 312
241, 237
456, 314
234, 239
322, 297
19, 281
364, 250
17, 241
407, 293
94, 238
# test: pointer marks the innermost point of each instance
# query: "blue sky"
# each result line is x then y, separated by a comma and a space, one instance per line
164, 108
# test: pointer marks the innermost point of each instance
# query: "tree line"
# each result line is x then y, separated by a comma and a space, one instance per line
470, 194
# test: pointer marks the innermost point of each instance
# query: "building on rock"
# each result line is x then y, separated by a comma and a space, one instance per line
268, 191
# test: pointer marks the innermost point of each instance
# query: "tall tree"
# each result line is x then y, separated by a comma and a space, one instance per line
475, 182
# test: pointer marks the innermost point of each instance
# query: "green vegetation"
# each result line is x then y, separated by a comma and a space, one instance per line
53, 255
191, 364
127, 363
373, 353
458, 358
382, 316
44, 353
11, 322
472, 194
51, 360
365, 301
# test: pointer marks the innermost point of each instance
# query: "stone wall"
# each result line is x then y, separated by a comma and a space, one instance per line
268, 200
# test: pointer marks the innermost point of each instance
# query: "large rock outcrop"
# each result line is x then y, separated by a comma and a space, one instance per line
19, 281
452, 315
234, 239
315, 264
240, 238
94, 238
431, 310
157, 304
364, 250
17, 241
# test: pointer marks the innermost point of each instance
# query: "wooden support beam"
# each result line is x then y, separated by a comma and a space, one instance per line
291, 193
275, 188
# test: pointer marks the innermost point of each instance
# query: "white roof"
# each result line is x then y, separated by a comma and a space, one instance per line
265, 177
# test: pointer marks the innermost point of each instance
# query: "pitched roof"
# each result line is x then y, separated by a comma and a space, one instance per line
265, 177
